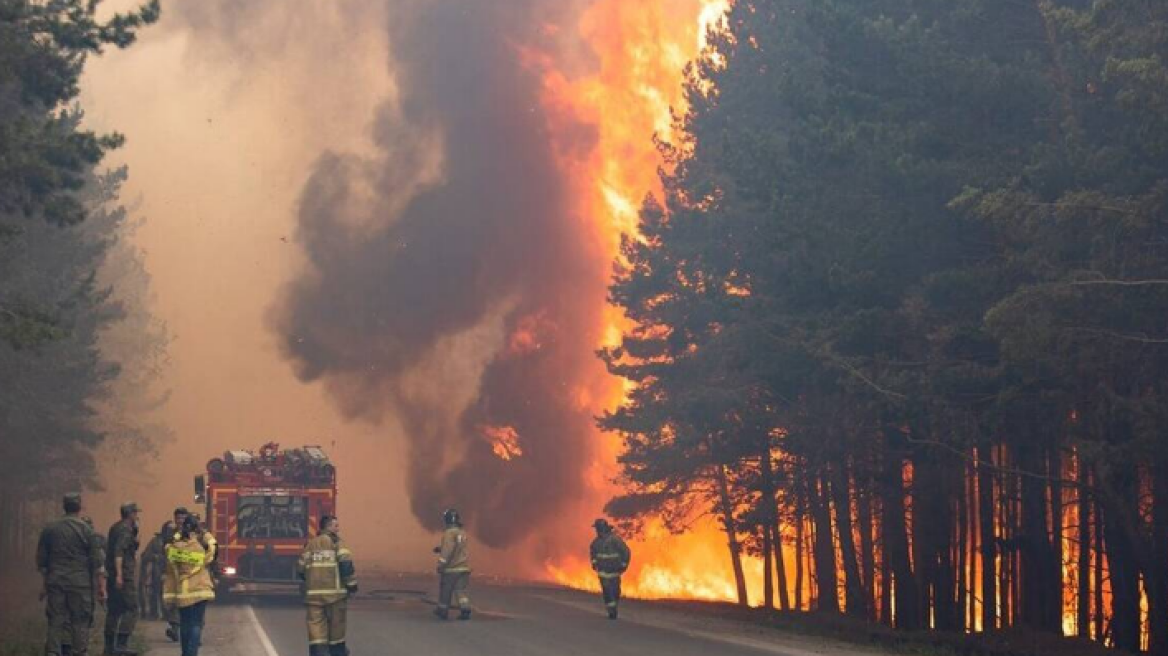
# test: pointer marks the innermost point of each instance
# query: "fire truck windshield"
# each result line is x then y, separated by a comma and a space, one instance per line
263, 517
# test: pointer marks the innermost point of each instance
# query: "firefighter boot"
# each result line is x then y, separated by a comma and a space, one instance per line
612, 612
318, 650
464, 614
172, 631
339, 649
442, 613
110, 645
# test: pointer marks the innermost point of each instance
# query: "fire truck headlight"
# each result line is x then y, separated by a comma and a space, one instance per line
229, 571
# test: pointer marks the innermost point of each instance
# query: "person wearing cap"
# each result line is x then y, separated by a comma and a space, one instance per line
121, 562
326, 567
610, 559
453, 567
72, 566
187, 585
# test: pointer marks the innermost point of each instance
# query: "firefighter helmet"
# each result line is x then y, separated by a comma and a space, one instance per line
451, 517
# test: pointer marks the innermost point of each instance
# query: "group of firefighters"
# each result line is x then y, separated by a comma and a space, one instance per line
81, 569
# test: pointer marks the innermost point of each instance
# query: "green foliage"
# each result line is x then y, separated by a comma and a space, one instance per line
942, 220
44, 154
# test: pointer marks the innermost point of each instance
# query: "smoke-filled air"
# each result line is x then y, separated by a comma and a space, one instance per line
629, 326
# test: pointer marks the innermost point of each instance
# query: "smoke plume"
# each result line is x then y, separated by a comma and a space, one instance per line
450, 285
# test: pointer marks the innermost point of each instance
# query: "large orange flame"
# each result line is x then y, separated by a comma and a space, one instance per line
642, 49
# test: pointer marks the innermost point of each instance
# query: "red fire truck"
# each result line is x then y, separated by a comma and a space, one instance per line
263, 506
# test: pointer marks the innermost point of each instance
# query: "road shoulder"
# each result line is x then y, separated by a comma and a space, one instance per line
230, 630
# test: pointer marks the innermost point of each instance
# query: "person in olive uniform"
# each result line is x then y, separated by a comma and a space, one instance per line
453, 567
121, 563
610, 559
151, 571
71, 563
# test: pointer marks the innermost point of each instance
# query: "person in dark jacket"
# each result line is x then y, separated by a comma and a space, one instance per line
610, 559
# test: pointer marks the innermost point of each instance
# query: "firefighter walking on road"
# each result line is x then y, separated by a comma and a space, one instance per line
610, 559
72, 565
453, 568
187, 586
121, 562
210, 547
329, 575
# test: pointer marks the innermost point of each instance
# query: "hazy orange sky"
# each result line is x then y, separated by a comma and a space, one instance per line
219, 143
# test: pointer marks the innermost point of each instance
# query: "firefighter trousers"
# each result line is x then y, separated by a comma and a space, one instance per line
326, 628
610, 588
453, 587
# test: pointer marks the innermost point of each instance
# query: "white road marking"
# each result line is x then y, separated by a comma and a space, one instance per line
265, 641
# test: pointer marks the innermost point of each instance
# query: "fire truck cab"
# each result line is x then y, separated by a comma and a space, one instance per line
263, 506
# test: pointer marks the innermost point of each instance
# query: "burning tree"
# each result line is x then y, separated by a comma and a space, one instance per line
911, 253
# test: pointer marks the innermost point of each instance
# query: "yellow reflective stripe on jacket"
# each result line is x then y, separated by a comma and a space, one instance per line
608, 556
184, 557
609, 575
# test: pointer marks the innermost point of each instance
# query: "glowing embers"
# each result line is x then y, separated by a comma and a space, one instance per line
504, 441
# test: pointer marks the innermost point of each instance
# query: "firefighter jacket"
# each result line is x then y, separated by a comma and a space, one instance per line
187, 581
327, 569
453, 553
69, 554
610, 555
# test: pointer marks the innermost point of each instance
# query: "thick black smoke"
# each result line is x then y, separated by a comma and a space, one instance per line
401, 267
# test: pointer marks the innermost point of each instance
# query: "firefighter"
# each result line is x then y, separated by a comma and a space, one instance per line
121, 562
187, 585
210, 546
329, 576
151, 572
610, 559
72, 566
453, 567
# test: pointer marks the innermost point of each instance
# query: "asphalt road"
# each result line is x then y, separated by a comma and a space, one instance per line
396, 618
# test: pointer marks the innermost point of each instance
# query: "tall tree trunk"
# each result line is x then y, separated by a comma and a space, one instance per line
1006, 522
800, 538
989, 542
906, 610
867, 549
1083, 609
932, 538
1034, 542
781, 569
960, 544
772, 517
825, 565
1054, 571
1157, 579
856, 598
1121, 557
726, 508
768, 574
1100, 553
